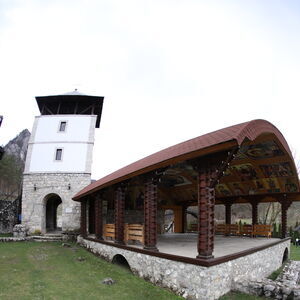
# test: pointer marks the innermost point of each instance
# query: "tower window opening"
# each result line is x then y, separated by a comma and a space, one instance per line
62, 126
58, 154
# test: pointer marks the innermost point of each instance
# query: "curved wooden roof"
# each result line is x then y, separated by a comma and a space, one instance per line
220, 140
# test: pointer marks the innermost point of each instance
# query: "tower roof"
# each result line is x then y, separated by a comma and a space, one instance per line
72, 103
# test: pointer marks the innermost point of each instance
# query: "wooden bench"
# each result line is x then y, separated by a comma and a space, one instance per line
109, 231
246, 230
220, 229
134, 232
193, 227
232, 229
262, 230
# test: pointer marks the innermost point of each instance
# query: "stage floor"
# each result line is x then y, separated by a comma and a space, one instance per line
185, 244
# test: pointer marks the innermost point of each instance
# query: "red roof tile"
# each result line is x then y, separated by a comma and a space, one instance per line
238, 133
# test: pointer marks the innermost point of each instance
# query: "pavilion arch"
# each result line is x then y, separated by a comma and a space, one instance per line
51, 202
245, 163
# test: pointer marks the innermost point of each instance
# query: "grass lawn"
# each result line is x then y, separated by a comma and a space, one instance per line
6, 234
295, 253
32, 270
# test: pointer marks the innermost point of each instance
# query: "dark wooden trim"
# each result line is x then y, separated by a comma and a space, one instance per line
119, 214
277, 197
194, 261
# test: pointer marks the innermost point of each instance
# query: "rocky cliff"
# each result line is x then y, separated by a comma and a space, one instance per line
18, 146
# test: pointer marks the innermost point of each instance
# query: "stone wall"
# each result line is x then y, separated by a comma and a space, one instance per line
286, 286
8, 215
36, 189
194, 281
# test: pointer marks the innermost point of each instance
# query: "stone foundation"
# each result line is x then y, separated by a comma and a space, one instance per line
38, 187
193, 281
284, 287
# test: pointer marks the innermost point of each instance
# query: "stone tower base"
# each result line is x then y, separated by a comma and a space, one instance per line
43, 192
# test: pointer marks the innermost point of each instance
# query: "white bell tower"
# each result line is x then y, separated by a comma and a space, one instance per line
59, 159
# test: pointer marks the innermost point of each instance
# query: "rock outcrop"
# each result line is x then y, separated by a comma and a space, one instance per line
18, 146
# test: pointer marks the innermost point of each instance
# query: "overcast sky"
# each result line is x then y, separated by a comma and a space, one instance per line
169, 70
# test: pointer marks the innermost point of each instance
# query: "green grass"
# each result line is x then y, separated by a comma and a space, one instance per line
6, 234
295, 253
31, 270
276, 273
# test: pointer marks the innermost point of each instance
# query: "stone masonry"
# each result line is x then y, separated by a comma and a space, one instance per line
38, 186
286, 286
192, 281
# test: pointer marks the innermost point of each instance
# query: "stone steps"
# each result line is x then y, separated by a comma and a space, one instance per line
48, 238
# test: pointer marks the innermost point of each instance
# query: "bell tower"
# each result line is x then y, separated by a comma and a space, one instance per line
59, 159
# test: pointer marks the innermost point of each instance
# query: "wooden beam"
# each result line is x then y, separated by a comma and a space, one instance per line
86, 109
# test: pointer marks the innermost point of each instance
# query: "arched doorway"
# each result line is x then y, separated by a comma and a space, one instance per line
53, 214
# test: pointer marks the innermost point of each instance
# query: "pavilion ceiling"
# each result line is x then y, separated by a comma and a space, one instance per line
261, 169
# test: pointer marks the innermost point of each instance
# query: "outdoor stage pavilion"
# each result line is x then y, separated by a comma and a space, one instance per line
245, 163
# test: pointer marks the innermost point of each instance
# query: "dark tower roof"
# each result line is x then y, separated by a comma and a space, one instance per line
73, 103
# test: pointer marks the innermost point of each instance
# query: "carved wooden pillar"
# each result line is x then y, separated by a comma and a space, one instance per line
228, 213
83, 219
119, 214
150, 214
254, 205
98, 218
184, 218
206, 202
285, 204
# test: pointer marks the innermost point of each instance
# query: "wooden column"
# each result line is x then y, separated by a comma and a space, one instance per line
254, 205
206, 201
285, 204
98, 218
150, 214
119, 214
91, 215
228, 213
184, 218
83, 219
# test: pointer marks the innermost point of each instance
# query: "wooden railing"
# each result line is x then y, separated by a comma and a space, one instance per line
262, 230
109, 231
246, 230
220, 229
134, 232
